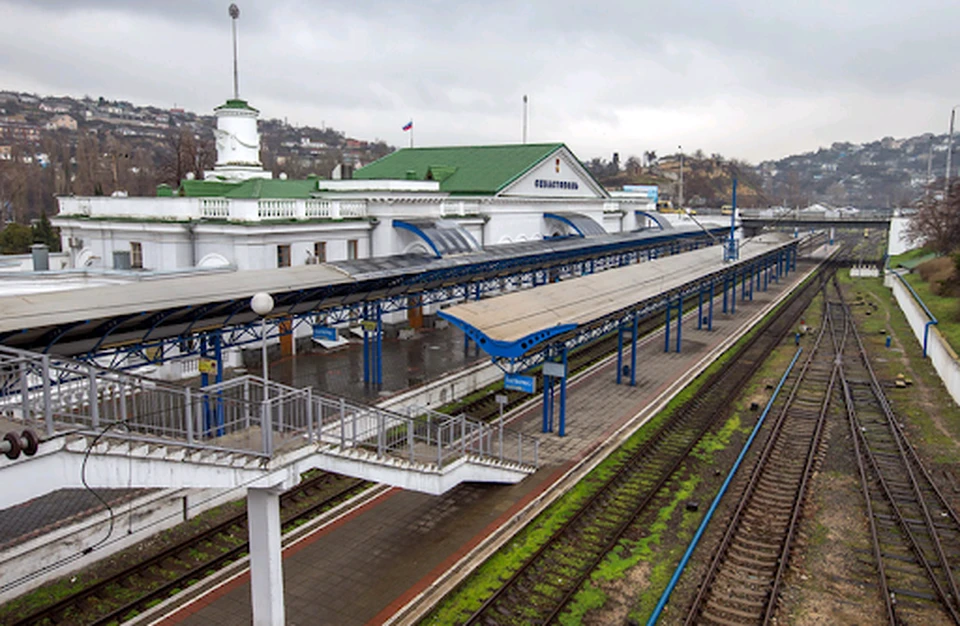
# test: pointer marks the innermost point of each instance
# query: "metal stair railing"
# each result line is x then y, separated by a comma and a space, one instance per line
242, 414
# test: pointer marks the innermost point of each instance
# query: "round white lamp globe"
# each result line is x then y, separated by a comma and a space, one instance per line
261, 303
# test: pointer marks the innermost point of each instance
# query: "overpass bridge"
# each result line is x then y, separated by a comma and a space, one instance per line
754, 221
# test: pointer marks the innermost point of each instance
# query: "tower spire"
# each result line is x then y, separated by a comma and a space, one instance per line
234, 11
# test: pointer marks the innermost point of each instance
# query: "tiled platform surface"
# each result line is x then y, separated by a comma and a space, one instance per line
365, 568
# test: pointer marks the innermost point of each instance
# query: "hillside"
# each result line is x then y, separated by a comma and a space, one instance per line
61, 145
885, 173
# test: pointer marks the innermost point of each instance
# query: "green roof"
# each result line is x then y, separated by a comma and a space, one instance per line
482, 170
251, 188
236, 104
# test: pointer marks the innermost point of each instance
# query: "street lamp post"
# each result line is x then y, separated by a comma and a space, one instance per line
946, 184
262, 304
680, 148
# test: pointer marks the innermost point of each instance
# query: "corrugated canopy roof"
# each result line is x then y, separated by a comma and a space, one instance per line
514, 323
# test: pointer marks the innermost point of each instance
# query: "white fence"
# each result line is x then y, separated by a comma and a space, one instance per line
942, 356
240, 210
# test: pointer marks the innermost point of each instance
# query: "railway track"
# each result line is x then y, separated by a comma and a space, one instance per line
111, 599
541, 588
915, 534
742, 582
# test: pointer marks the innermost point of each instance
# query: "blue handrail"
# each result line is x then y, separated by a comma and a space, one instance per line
933, 318
716, 501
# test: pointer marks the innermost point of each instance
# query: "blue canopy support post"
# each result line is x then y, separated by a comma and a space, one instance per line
700, 307
666, 328
366, 345
725, 279
619, 353
766, 273
743, 284
218, 355
563, 393
547, 396
794, 258
379, 346
204, 381
710, 308
757, 270
633, 350
749, 277
733, 293
679, 320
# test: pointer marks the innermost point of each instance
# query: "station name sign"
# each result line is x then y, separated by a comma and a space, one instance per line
518, 382
556, 184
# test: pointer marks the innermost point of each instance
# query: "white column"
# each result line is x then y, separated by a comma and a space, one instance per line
266, 560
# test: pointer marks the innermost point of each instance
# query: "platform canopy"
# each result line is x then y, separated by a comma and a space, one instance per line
444, 237
583, 225
510, 325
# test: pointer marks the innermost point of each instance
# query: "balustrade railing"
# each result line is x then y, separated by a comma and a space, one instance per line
242, 414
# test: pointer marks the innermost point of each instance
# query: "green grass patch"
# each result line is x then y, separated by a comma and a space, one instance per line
912, 405
909, 255
945, 308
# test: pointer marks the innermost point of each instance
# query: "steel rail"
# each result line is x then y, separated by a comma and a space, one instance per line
733, 527
867, 456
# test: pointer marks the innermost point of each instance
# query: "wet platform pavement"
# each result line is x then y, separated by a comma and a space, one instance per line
407, 363
363, 569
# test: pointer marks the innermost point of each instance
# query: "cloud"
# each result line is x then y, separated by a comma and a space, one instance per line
747, 78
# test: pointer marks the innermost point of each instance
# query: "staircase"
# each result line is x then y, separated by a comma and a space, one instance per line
229, 433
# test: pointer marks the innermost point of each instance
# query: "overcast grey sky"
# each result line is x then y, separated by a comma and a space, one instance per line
754, 79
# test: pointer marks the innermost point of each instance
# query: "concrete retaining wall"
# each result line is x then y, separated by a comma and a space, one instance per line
942, 356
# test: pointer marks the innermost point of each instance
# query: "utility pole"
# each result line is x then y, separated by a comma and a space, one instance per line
680, 206
524, 118
234, 11
946, 183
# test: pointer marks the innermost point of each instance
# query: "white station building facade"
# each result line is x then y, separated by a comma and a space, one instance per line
240, 217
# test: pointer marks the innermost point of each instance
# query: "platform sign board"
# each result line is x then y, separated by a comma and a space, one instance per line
369, 325
500, 398
207, 366
555, 370
324, 333
519, 382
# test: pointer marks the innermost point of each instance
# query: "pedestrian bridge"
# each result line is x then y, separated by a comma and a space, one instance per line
754, 221
108, 429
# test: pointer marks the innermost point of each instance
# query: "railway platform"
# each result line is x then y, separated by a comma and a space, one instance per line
400, 550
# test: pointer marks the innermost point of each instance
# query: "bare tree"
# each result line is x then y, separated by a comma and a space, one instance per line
936, 222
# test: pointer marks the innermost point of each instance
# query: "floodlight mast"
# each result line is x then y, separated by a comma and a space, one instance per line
234, 11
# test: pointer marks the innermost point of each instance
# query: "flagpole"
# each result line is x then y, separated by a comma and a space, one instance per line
411, 133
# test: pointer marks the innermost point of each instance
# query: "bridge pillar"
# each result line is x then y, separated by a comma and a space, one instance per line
266, 559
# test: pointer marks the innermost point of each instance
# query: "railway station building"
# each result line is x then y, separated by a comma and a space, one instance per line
240, 217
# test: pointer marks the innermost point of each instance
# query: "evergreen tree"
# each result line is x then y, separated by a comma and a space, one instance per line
44, 232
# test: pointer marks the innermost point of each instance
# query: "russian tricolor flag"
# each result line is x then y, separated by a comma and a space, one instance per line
408, 125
